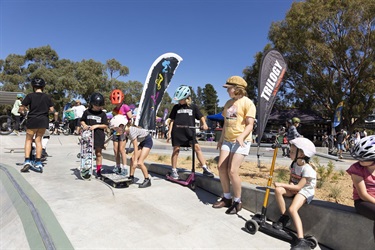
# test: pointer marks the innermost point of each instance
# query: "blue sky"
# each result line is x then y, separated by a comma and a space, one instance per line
215, 38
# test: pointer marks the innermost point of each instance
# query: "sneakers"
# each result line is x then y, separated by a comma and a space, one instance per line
38, 167
208, 173
283, 221
302, 244
234, 208
123, 172
132, 179
116, 170
223, 202
26, 166
146, 183
174, 174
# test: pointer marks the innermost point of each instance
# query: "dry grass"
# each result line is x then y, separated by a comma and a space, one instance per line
336, 188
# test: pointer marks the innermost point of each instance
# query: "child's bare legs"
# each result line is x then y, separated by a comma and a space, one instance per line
28, 142
122, 152
279, 196
223, 167
174, 157
116, 152
199, 154
297, 203
234, 176
99, 158
142, 155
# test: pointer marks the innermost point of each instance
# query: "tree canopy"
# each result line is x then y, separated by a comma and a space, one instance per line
329, 48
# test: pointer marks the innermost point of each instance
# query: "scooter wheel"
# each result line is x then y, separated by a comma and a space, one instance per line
313, 242
252, 226
79, 155
192, 185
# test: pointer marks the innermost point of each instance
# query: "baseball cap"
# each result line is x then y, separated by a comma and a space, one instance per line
235, 81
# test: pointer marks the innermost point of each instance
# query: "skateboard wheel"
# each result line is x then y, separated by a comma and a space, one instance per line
192, 185
114, 185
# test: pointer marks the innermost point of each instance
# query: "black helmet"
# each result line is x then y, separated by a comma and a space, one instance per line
38, 83
97, 99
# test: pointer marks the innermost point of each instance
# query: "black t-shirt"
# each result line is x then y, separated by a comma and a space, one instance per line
38, 104
184, 115
91, 117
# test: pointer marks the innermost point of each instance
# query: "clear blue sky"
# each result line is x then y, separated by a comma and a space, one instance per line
215, 38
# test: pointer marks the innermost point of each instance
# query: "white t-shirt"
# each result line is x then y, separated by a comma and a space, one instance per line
78, 111
306, 171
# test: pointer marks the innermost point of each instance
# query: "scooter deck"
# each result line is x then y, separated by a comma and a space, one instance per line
116, 180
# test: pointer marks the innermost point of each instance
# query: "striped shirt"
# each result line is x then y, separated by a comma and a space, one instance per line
137, 133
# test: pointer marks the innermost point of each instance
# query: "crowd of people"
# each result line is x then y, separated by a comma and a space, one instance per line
234, 145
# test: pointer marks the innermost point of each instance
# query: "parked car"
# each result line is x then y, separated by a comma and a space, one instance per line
269, 136
207, 136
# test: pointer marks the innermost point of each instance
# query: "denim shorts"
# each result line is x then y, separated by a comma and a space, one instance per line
236, 148
118, 138
146, 143
340, 146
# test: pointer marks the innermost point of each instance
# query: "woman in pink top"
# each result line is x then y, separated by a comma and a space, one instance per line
363, 177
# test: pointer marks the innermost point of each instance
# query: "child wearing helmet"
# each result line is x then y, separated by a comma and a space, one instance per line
15, 112
184, 114
39, 105
119, 139
95, 119
363, 178
301, 187
235, 141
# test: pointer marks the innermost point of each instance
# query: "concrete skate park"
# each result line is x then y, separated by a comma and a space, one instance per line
58, 210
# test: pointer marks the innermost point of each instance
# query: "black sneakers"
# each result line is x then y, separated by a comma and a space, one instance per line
302, 244
234, 208
207, 173
146, 183
283, 221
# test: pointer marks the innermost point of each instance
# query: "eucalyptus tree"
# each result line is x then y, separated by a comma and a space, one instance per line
330, 50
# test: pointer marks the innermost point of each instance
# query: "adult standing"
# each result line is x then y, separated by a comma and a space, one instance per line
78, 112
235, 141
15, 113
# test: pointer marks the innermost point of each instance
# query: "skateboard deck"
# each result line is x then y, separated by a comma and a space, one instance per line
116, 180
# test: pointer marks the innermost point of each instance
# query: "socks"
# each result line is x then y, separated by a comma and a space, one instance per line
205, 166
227, 196
98, 168
236, 199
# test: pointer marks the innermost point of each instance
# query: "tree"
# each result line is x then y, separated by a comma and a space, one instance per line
210, 100
329, 48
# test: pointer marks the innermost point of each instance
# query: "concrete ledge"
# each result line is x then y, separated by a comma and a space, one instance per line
333, 225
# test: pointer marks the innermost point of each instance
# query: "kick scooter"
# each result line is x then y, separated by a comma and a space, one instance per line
190, 181
258, 221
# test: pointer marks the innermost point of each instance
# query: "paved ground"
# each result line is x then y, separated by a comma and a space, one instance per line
92, 215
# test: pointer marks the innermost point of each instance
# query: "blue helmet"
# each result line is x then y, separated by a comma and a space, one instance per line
182, 92
20, 95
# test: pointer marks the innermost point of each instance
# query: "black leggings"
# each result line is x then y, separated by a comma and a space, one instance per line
366, 209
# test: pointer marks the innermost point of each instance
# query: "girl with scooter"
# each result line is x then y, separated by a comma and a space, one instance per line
301, 187
182, 115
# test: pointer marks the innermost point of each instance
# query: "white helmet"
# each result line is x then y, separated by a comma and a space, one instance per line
364, 150
118, 120
305, 145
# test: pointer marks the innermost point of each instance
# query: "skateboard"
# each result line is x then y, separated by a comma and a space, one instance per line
116, 180
86, 154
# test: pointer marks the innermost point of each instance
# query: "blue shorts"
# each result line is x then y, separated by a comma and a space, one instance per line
340, 146
146, 143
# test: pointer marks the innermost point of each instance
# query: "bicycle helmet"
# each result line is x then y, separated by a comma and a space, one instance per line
118, 120
305, 145
182, 92
38, 83
117, 96
364, 150
296, 120
97, 99
20, 96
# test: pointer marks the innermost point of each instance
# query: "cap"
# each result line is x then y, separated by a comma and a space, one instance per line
235, 81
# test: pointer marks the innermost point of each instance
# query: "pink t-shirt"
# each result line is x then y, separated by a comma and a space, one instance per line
123, 110
368, 178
